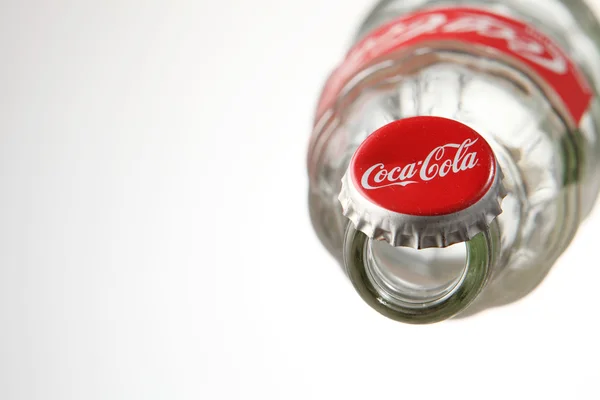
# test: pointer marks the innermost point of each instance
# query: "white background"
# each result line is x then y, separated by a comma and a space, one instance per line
154, 233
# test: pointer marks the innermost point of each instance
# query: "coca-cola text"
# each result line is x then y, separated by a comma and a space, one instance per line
437, 164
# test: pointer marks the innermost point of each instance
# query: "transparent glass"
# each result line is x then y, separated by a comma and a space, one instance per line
551, 171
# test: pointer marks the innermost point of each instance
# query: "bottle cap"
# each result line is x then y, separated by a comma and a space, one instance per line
422, 182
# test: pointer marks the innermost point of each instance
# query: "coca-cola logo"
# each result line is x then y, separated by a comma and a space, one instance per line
437, 164
519, 41
423, 166
527, 49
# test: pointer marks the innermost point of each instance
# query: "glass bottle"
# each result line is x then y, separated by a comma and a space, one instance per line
502, 69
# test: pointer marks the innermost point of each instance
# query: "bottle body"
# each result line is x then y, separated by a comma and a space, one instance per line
549, 159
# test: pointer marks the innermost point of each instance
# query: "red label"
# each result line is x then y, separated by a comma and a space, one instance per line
472, 26
423, 166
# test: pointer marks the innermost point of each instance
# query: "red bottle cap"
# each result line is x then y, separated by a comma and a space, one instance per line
422, 182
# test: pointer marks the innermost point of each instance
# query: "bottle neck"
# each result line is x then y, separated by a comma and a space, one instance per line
408, 285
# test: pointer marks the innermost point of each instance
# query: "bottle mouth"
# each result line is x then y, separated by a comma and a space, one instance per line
419, 286
414, 278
